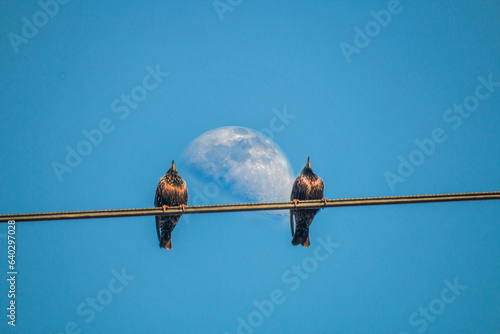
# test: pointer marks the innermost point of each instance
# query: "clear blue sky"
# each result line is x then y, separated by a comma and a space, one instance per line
361, 101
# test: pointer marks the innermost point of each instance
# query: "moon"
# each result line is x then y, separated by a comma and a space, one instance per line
252, 165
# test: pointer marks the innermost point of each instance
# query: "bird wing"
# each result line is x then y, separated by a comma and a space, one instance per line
299, 190
185, 196
316, 192
158, 232
159, 202
158, 195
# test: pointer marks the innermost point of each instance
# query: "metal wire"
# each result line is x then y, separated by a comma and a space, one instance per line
317, 204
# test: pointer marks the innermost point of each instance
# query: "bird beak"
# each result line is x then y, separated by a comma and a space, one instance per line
173, 165
308, 165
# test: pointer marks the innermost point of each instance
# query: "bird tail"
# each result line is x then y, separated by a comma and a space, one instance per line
166, 242
301, 236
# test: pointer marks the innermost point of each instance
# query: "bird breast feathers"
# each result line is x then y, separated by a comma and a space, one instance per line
170, 190
310, 184
317, 182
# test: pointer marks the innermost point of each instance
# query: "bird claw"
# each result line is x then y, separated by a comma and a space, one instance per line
324, 200
295, 201
165, 207
183, 207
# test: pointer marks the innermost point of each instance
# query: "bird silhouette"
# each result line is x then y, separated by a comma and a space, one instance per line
307, 186
171, 191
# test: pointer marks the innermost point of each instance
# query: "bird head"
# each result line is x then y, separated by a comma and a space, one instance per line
307, 168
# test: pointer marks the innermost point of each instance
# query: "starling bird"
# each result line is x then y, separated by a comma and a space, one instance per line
171, 191
307, 186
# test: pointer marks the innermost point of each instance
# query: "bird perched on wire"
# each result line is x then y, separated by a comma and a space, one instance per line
307, 186
171, 191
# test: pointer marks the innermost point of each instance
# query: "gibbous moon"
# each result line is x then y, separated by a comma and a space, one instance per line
252, 165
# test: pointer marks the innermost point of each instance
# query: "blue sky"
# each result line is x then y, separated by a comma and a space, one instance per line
410, 108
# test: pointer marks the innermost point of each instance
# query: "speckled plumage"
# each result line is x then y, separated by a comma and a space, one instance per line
171, 191
307, 186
